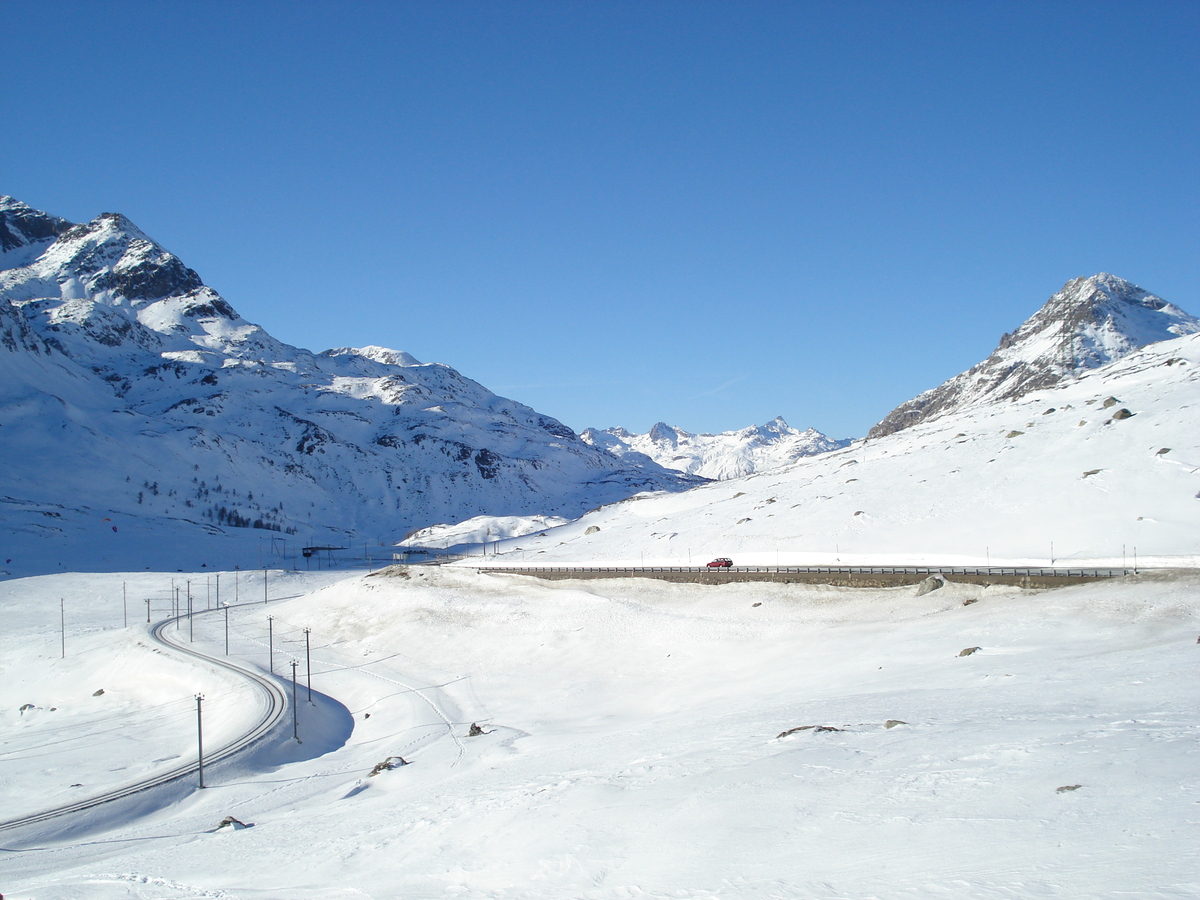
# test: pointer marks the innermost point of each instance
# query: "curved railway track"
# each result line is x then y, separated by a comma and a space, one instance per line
275, 706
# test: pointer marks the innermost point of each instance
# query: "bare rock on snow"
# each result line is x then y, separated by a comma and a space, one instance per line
392, 762
812, 728
930, 584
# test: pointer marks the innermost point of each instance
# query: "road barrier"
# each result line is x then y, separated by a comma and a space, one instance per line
854, 576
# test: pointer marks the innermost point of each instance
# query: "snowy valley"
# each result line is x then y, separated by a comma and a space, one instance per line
490, 735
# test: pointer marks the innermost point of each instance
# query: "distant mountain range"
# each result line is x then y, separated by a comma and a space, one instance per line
139, 411
730, 454
129, 387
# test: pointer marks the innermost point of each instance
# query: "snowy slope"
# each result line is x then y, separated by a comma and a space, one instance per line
1000, 481
632, 744
129, 389
731, 454
471, 535
1090, 322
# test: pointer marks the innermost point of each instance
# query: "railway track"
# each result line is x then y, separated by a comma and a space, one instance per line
275, 706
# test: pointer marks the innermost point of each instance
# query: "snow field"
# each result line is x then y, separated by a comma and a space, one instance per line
1050, 476
631, 748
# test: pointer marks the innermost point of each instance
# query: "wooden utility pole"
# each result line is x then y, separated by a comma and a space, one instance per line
295, 709
308, 663
200, 737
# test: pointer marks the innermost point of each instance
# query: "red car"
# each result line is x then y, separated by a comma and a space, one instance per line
722, 563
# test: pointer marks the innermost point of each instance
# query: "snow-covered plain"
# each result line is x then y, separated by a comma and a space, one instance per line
1090, 471
631, 742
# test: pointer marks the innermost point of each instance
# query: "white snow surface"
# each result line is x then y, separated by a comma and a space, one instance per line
631, 742
131, 392
1056, 475
479, 531
730, 454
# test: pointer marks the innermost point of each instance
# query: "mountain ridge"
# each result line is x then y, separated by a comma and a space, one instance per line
729, 454
1089, 322
128, 382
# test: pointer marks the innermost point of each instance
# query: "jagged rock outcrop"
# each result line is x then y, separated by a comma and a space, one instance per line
1088, 323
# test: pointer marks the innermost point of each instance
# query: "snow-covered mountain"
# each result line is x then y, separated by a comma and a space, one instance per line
1088, 323
731, 454
1106, 462
129, 388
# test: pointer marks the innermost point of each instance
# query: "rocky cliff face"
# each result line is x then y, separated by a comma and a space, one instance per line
1090, 322
731, 454
127, 385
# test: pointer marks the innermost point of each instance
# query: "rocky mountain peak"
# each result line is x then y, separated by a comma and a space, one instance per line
1089, 322
111, 254
662, 433
25, 232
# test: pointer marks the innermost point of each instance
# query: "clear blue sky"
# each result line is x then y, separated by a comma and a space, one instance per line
618, 213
